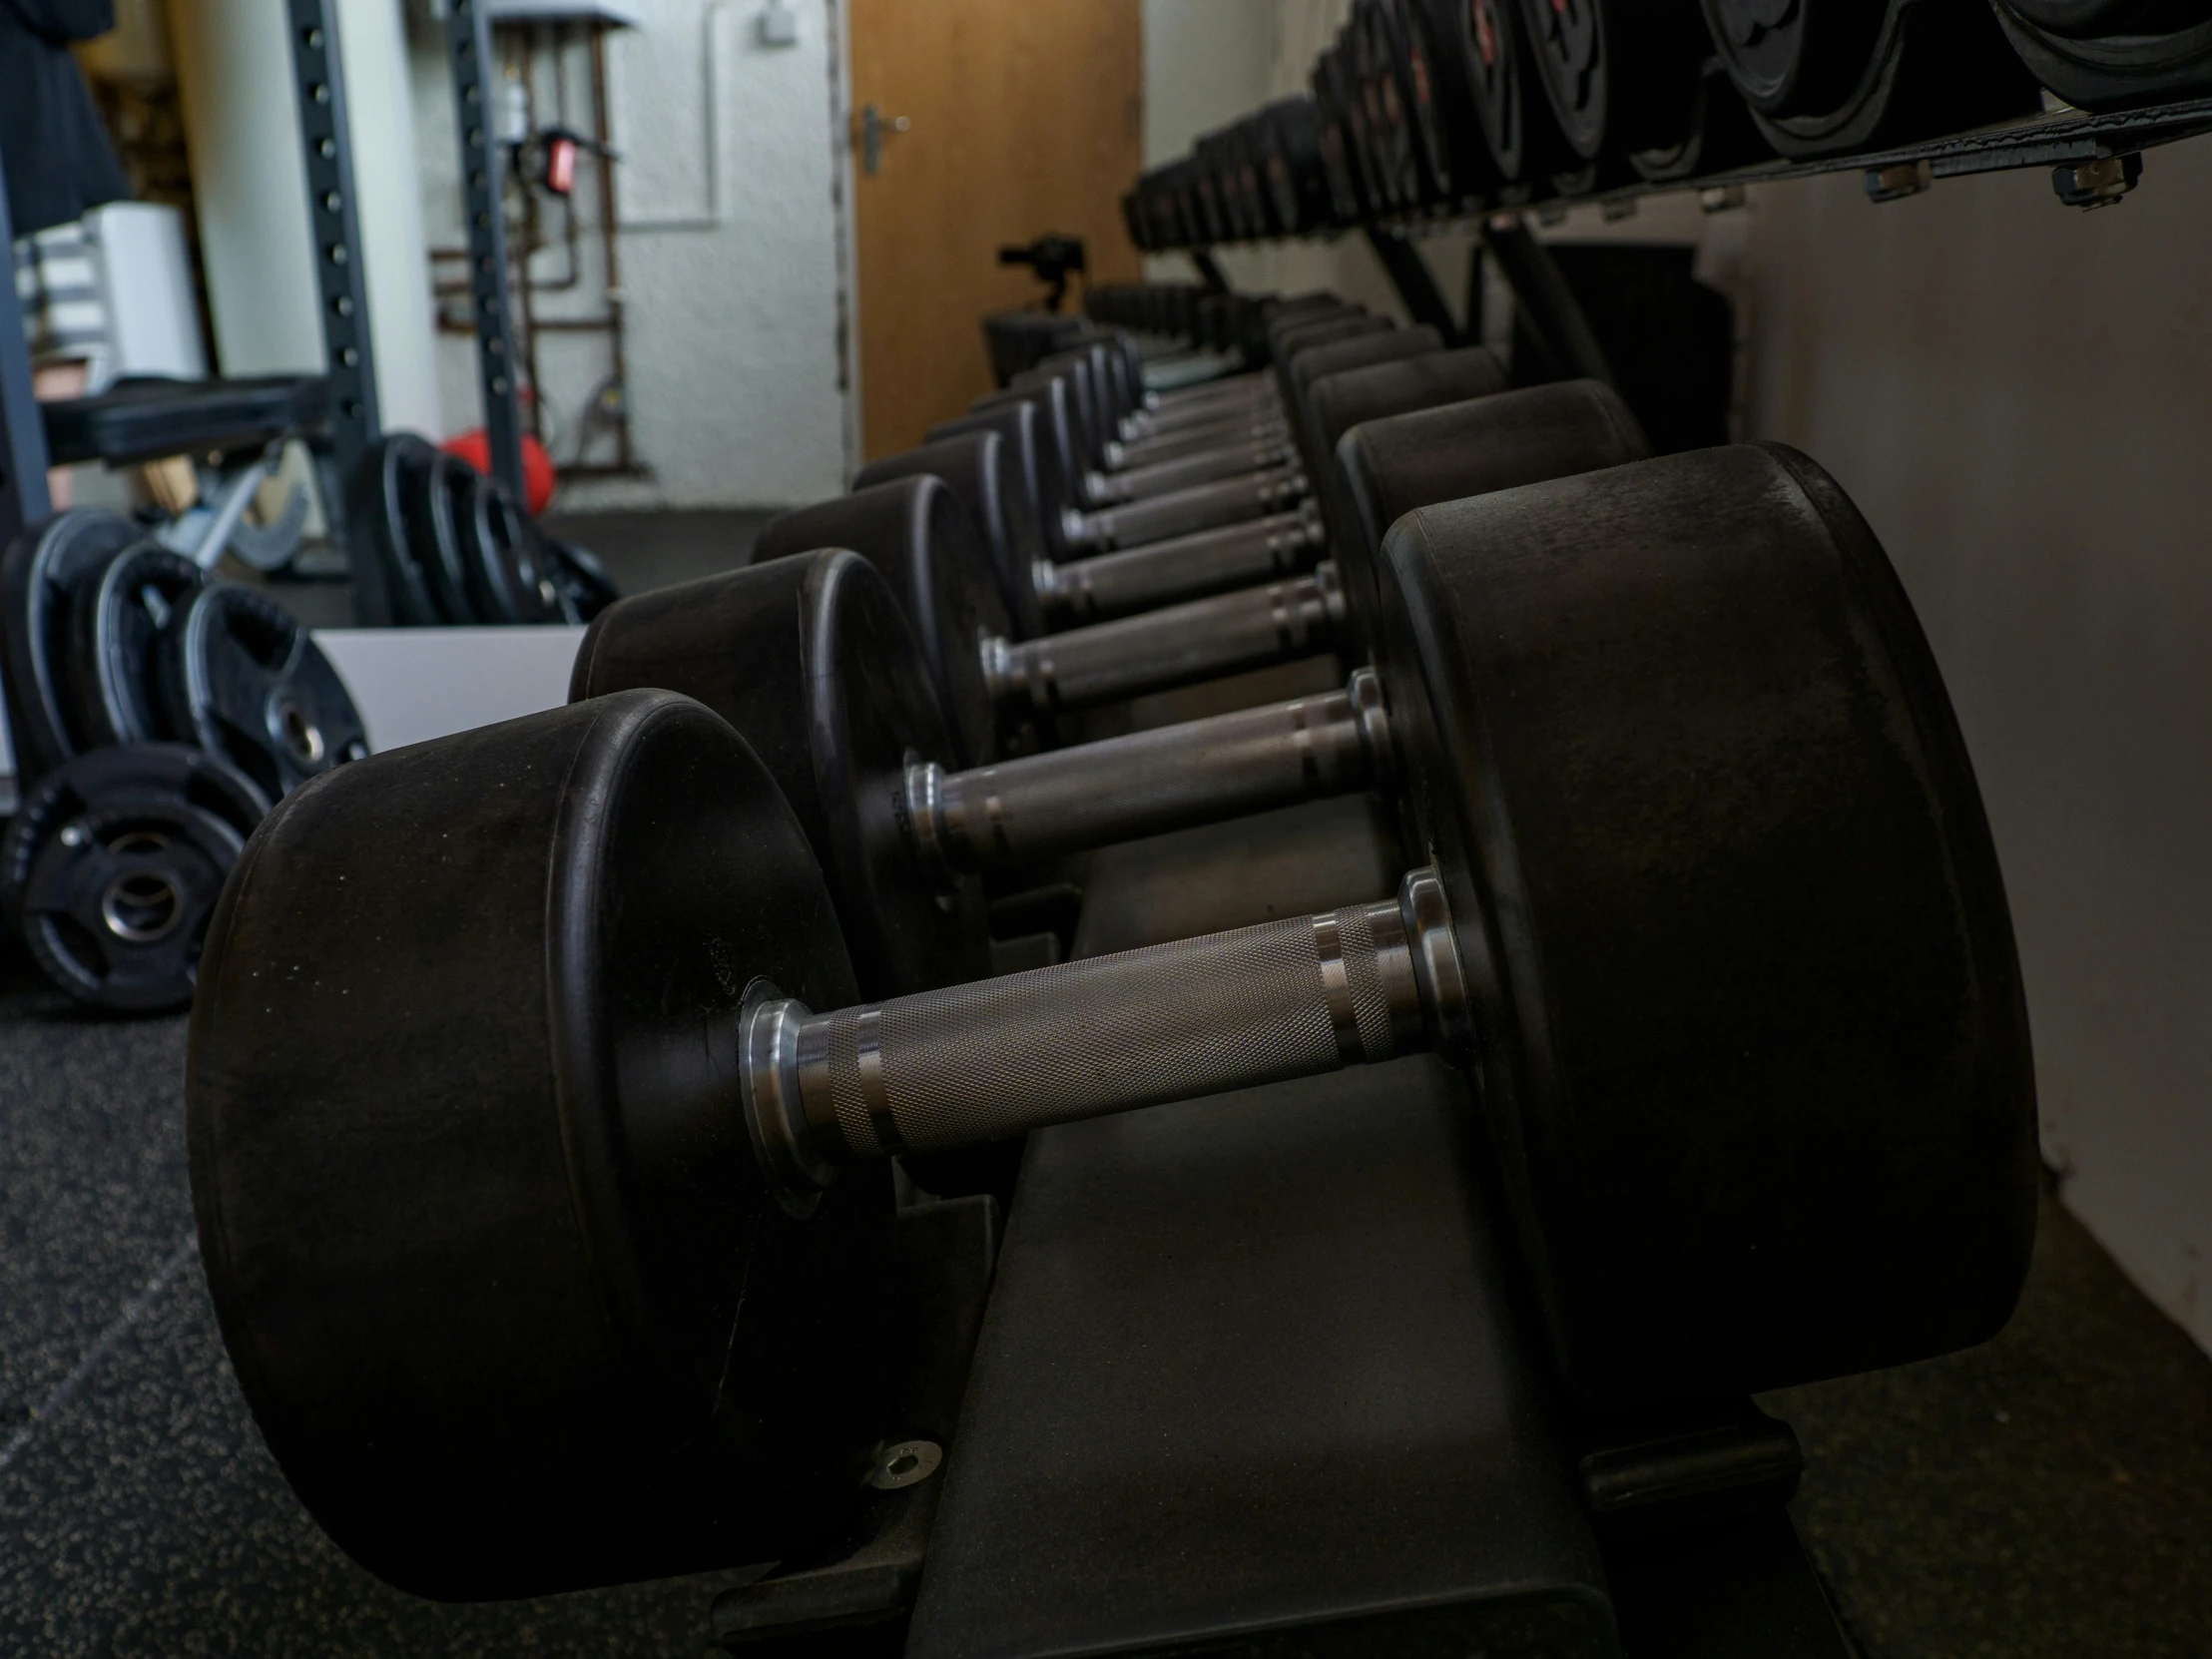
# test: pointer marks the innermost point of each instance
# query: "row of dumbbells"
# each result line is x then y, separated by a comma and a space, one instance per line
546, 1079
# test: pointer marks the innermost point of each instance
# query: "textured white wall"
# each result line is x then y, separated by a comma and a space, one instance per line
732, 255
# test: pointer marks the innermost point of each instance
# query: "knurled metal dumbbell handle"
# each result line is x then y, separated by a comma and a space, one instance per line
1160, 422
1201, 1016
1235, 427
1178, 513
1251, 386
1180, 568
1174, 646
1148, 782
1144, 483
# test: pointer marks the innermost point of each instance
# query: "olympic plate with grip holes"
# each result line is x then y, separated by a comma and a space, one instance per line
37, 575
116, 619
111, 869
242, 680
500, 555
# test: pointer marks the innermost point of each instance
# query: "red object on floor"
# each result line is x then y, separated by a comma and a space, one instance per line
538, 476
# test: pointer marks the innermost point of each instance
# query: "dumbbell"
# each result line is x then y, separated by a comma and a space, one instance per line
1455, 448
1536, 434
1256, 550
538, 1137
803, 655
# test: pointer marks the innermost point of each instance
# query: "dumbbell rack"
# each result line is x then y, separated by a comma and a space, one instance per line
2095, 158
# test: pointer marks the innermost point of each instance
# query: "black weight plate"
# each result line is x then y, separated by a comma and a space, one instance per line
41, 567
242, 680
1752, 1043
916, 533
389, 531
1404, 26
431, 488
492, 1255
499, 554
585, 587
113, 865
2112, 55
116, 623
1937, 66
1392, 465
813, 661
974, 466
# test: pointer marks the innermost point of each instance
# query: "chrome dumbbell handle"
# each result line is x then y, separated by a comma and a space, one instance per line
1235, 427
1180, 568
1205, 467
1148, 782
1179, 512
1174, 646
998, 1057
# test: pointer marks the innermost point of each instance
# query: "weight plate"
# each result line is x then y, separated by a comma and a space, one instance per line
585, 587
813, 661
1934, 67
40, 569
1752, 1050
435, 531
495, 1261
116, 623
2111, 56
499, 554
1392, 465
973, 467
113, 865
916, 532
242, 680
392, 585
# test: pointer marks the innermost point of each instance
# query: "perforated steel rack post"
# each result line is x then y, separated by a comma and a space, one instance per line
468, 43
22, 431
341, 280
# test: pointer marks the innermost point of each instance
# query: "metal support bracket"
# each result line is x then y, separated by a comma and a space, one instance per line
1545, 302
1410, 275
468, 43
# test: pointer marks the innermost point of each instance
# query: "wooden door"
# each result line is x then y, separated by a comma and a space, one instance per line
1023, 116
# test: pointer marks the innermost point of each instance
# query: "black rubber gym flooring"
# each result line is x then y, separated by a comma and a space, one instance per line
2049, 1495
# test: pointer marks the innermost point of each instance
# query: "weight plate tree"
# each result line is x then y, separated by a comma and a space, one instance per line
1713, 914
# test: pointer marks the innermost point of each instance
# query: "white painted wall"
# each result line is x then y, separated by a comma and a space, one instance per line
734, 242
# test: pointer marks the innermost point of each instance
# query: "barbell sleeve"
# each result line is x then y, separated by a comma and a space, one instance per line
999, 1057
1174, 646
1148, 782
1180, 568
